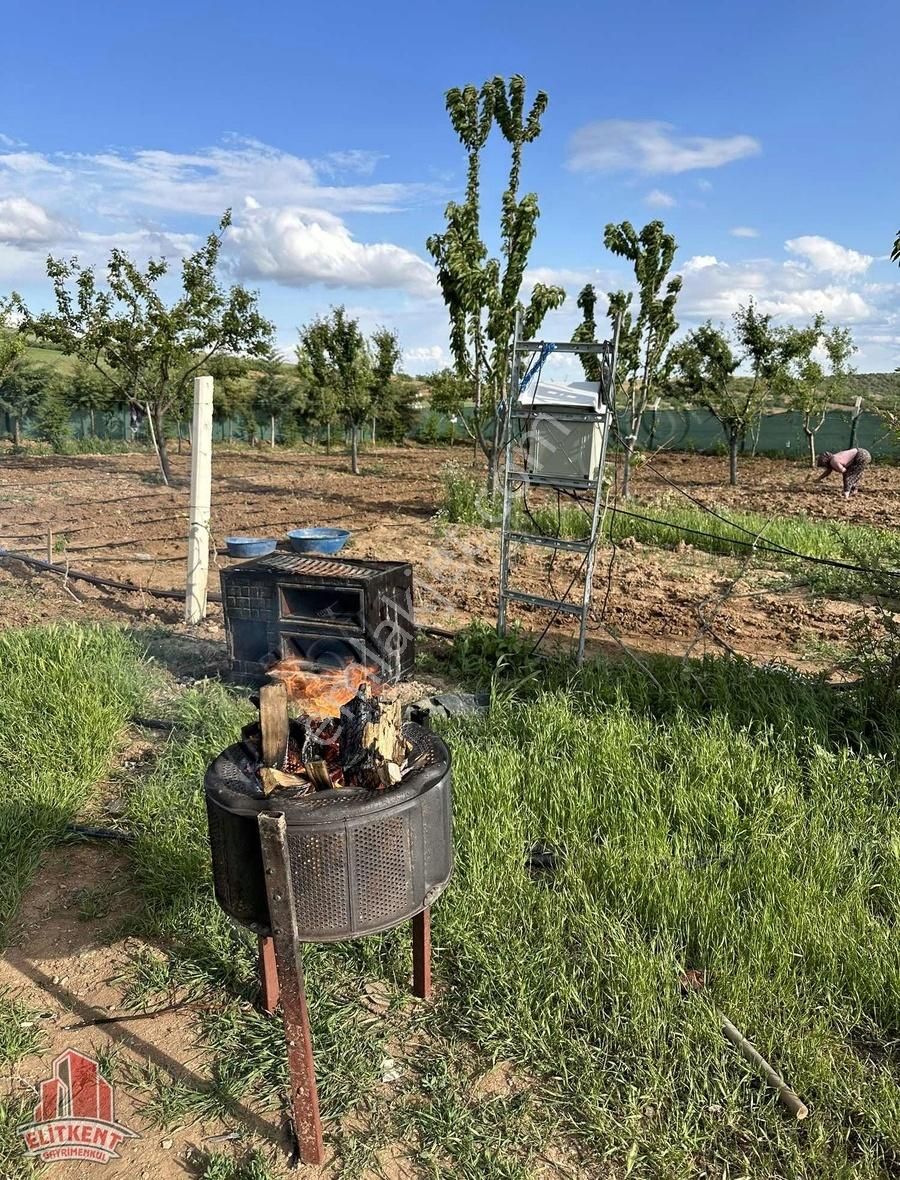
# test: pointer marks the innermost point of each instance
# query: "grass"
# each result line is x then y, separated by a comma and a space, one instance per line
718, 817
20, 1032
670, 522
65, 696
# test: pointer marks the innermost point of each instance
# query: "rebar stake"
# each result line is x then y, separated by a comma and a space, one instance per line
283, 920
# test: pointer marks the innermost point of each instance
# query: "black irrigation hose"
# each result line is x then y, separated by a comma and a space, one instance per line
91, 833
93, 580
767, 547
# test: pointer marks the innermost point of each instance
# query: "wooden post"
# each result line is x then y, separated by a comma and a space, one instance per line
421, 945
283, 920
49, 545
201, 493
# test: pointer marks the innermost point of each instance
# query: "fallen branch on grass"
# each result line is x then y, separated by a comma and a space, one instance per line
795, 1104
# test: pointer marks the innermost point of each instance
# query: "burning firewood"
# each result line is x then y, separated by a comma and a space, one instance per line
350, 730
373, 748
275, 780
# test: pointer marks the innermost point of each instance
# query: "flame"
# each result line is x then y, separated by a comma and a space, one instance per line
321, 692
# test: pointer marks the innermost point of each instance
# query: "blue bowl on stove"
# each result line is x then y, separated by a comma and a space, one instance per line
318, 540
249, 546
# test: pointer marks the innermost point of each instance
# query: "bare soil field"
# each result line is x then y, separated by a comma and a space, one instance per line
109, 515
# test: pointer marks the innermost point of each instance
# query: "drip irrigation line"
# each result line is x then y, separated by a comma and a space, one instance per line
765, 546
74, 575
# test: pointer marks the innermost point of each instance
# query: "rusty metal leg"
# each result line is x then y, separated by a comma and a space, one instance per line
268, 976
421, 940
283, 920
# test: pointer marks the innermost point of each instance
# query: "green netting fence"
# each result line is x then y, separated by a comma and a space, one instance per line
778, 434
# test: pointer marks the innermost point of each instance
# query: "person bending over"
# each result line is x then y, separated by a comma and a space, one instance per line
850, 464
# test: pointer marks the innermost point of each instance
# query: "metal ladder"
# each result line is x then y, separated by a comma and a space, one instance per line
518, 479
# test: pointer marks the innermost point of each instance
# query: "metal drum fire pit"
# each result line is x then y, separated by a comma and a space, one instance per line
361, 861
327, 826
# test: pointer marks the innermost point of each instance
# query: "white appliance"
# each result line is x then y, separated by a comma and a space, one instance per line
565, 428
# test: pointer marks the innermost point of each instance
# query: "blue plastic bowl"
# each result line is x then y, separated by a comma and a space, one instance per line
318, 540
249, 546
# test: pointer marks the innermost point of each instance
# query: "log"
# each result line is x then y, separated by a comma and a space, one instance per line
274, 724
272, 779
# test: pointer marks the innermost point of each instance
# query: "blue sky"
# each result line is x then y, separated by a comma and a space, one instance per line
764, 137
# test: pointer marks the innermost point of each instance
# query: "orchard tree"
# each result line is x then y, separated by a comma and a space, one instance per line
23, 389
812, 385
451, 395
643, 339
385, 358
88, 390
702, 374
334, 350
232, 389
279, 394
12, 342
481, 292
151, 350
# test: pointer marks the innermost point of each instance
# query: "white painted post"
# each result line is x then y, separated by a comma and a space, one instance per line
201, 493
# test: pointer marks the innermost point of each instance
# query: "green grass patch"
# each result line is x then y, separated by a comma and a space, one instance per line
715, 816
672, 521
20, 1032
65, 695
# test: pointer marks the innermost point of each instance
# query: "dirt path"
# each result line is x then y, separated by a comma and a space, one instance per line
66, 963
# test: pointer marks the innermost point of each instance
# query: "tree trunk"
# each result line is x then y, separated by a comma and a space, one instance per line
178, 435
373, 434
17, 431
272, 430
328, 438
626, 465
93, 425
733, 441
230, 429
354, 449
811, 443
156, 424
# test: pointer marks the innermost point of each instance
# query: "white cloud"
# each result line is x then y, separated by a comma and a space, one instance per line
289, 231
622, 145
298, 247
704, 185
26, 224
431, 355
699, 262
657, 199
715, 289
825, 255
744, 231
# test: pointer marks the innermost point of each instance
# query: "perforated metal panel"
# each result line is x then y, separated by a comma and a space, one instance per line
361, 861
382, 864
319, 567
319, 873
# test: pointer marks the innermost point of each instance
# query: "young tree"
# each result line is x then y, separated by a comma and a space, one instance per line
22, 389
811, 385
702, 374
88, 391
53, 417
644, 340
481, 293
385, 358
232, 388
334, 350
278, 393
151, 350
452, 395
12, 342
